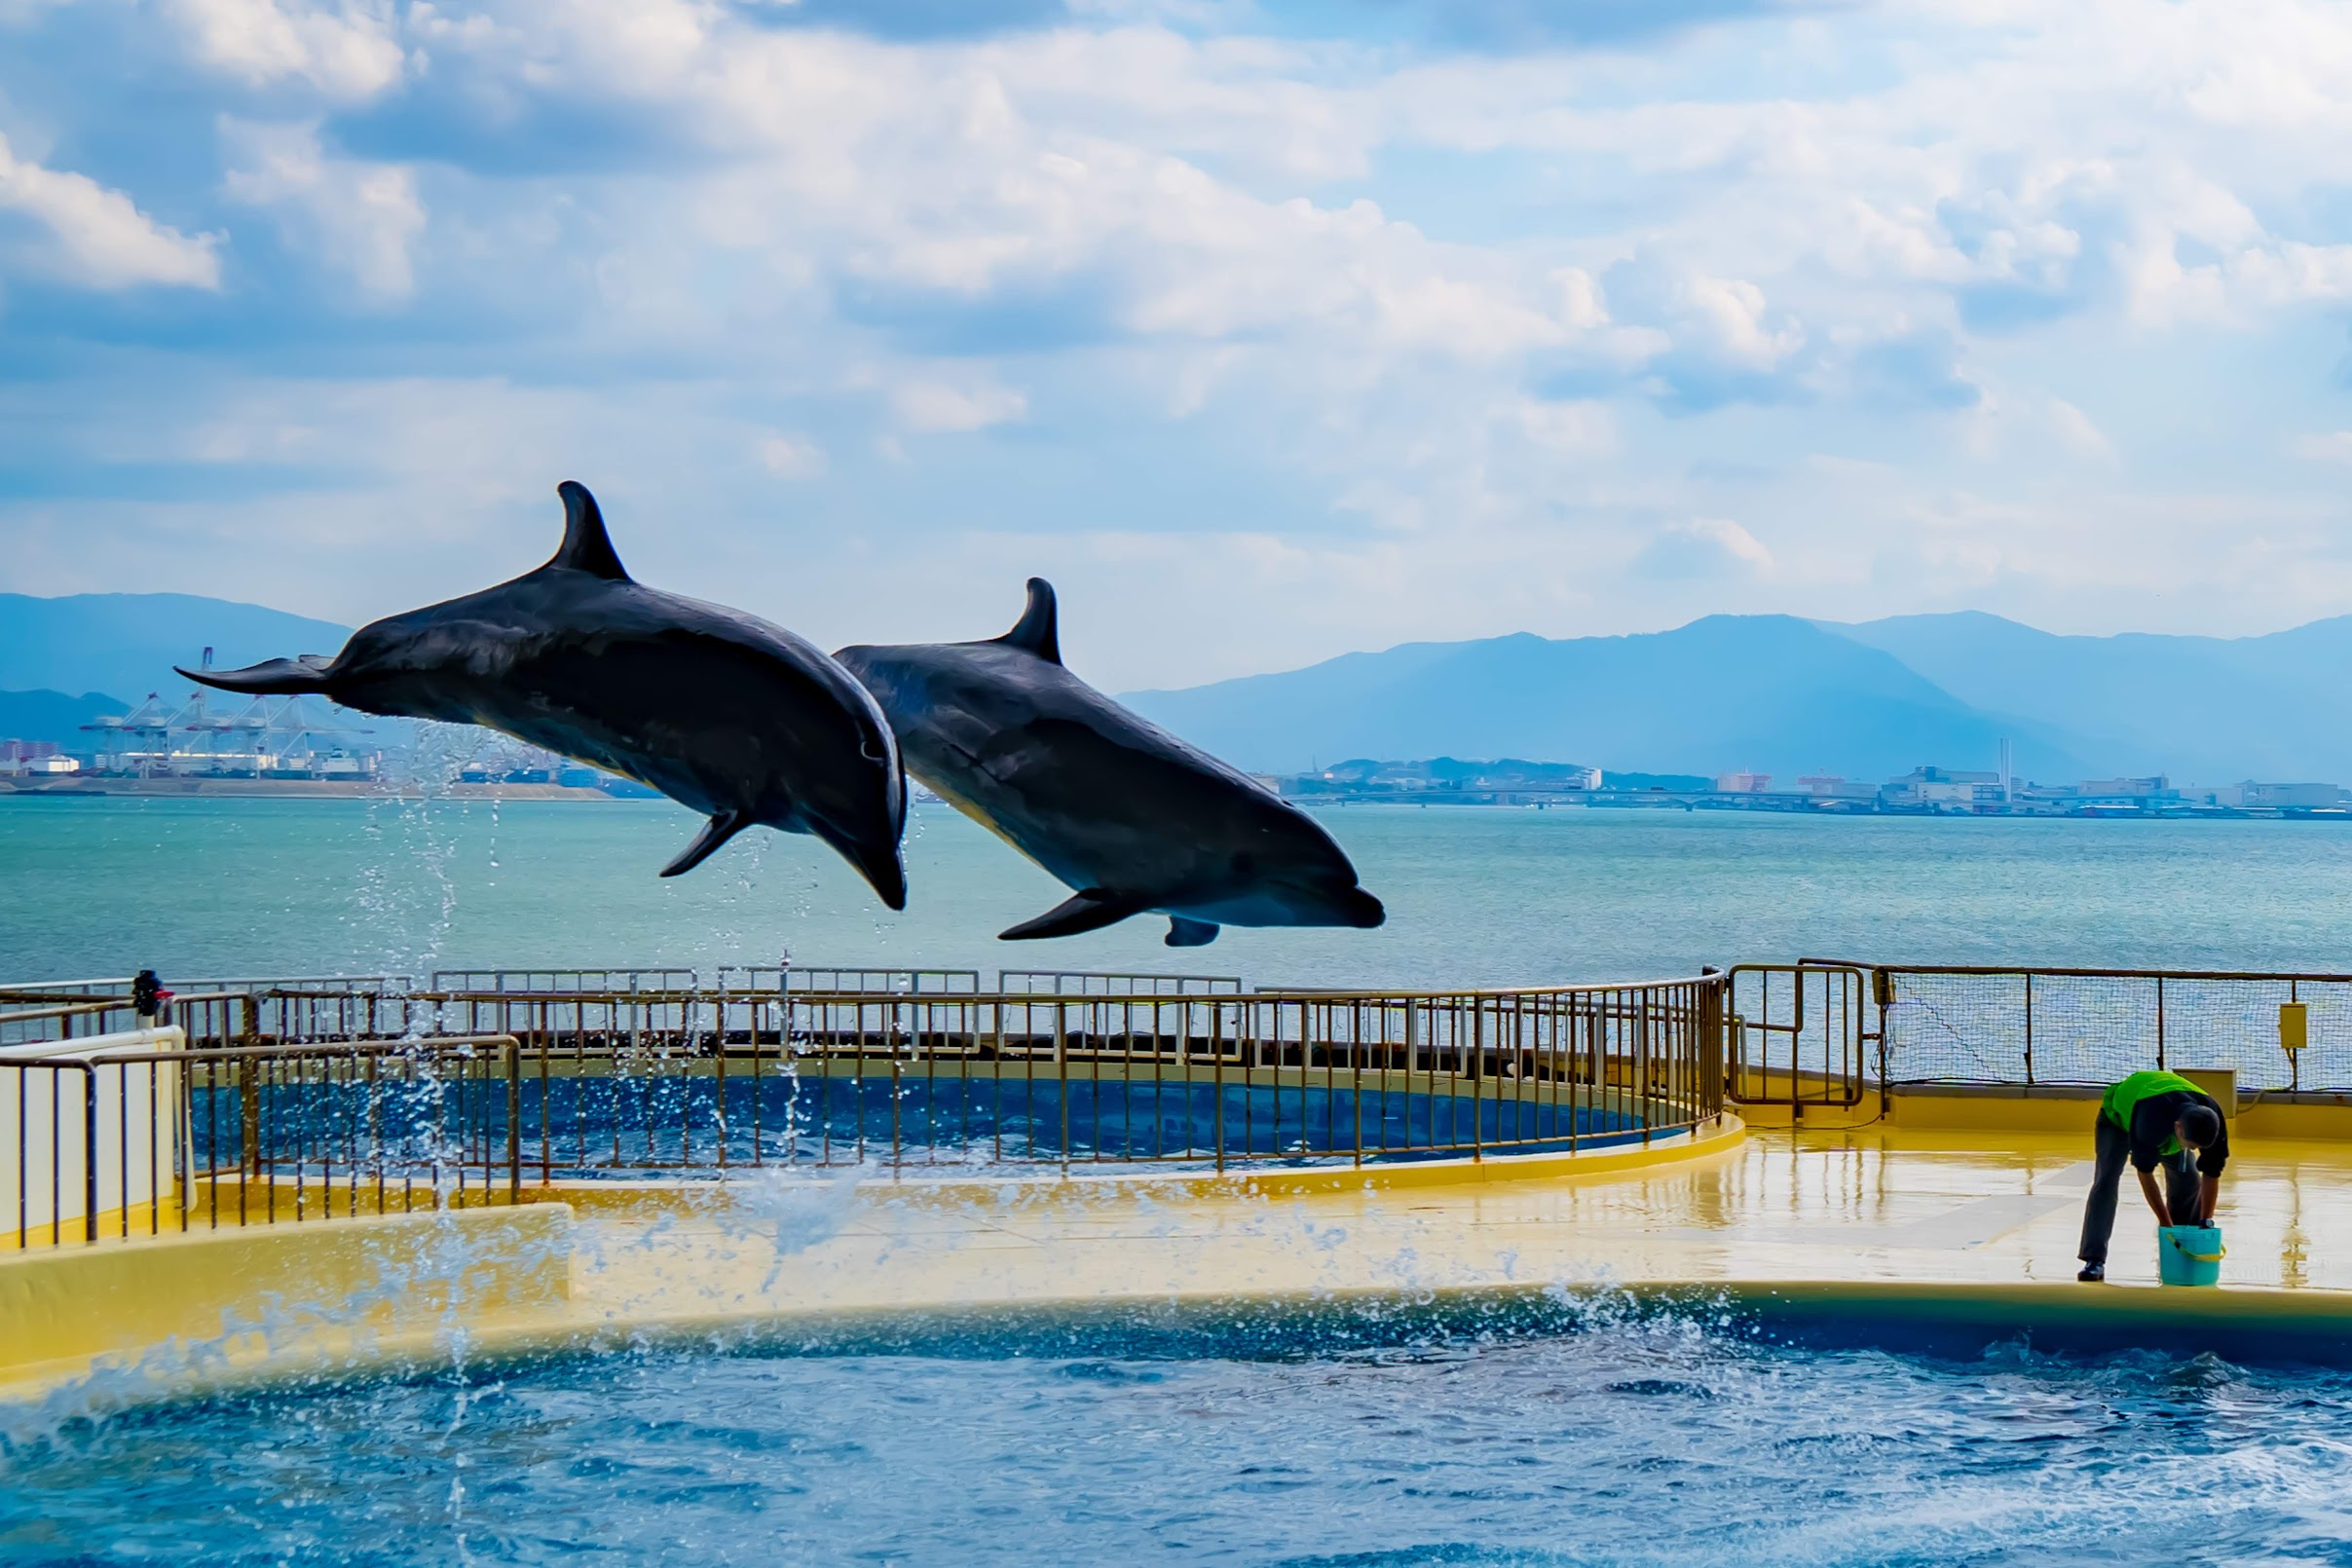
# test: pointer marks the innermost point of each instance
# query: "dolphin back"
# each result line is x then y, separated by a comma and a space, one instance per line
1134, 818
726, 713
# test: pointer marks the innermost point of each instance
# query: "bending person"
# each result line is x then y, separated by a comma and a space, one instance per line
2151, 1119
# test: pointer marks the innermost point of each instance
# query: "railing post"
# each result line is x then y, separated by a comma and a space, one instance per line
1478, 1062
90, 1154
515, 1120
1061, 1076
2029, 1029
248, 1116
1641, 1069
1882, 994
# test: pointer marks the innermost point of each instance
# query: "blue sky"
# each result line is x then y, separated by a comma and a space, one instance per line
1267, 330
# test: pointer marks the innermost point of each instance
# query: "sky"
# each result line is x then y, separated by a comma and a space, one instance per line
1266, 330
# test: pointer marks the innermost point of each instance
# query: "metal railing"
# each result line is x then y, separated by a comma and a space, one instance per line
292, 1104
1098, 983
129, 1143
1800, 1035
1962, 1024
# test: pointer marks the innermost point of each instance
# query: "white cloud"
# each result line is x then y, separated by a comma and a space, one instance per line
2076, 431
1481, 340
1702, 549
1580, 429
936, 406
792, 456
97, 237
1730, 316
362, 218
347, 52
2327, 446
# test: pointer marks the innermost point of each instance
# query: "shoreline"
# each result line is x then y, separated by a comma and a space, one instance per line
74, 786
329, 789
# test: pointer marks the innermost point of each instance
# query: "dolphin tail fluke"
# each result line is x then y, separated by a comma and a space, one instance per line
1089, 911
1184, 933
723, 826
278, 677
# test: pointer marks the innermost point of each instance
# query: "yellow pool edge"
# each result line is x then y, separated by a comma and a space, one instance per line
217, 1309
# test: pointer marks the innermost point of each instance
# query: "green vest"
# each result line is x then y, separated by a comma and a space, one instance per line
2122, 1099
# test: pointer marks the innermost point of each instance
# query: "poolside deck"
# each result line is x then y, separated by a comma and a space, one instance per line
1867, 1207
1871, 1225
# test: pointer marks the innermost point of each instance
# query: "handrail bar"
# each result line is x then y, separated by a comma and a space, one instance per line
434, 1044
1068, 998
2315, 977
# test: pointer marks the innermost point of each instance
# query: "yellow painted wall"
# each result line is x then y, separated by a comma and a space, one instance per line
267, 1292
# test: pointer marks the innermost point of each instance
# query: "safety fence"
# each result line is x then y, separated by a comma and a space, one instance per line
288, 1103
1951, 1024
1827, 1033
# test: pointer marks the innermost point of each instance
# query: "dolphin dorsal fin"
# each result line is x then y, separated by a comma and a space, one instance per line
1037, 631
586, 546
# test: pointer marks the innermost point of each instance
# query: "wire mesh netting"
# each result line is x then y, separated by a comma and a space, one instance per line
2044, 1027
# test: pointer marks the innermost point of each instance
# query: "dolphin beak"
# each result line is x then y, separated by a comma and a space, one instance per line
888, 874
875, 858
278, 677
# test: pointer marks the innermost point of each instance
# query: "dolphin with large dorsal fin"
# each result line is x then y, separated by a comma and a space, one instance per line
1133, 818
718, 710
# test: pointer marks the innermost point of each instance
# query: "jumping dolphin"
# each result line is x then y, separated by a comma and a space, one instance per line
718, 710
1135, 819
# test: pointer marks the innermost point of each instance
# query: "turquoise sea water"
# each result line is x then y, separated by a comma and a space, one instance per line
1480, 896
1656, 1443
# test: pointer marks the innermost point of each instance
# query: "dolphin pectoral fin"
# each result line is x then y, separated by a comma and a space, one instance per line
586, 546
278, 677
1038, 631
1089, 911
1184, 933
723, 826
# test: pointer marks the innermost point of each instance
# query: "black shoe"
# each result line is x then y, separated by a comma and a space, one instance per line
2091, 1273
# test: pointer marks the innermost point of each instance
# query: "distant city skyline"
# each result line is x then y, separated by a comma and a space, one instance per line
1268, 331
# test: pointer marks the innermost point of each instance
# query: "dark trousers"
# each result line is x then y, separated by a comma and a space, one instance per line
2112, 1150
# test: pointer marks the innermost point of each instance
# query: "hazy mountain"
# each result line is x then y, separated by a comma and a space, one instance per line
2203, 708
53, 715
1769, 692
124, 645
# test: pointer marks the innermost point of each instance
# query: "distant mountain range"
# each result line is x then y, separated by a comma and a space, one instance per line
54, 716
116, 648
1767, 693
1777, 695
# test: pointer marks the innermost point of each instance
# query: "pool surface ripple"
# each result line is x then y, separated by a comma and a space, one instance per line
1661, 1440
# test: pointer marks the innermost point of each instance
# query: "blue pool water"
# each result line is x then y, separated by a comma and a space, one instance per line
663, 1122
1657, 1441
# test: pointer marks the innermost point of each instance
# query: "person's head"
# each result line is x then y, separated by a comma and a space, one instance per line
2198, 1127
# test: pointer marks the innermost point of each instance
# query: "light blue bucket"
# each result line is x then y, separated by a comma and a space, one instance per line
2190, 1254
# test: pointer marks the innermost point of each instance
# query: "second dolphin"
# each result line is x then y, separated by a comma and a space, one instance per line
718, 710
1133, 818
